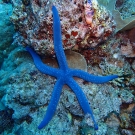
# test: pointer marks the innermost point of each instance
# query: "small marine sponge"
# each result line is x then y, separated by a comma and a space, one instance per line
89, 12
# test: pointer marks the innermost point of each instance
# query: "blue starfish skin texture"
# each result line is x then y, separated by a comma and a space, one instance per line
65, 75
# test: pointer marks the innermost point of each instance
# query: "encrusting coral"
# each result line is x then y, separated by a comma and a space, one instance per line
34, 24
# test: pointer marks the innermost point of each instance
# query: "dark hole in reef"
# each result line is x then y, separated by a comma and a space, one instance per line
6, 121
124, 106
80, 19
26, 2
27, 118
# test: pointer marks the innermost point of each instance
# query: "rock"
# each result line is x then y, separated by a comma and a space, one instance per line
34, 22
6, 30
74, 59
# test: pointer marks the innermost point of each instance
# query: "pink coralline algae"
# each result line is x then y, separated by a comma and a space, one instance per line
84, 25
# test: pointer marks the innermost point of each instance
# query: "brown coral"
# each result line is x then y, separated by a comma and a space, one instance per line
94, 56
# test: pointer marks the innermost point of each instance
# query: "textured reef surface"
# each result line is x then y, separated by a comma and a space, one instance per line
33, 21
94, 40
6, 30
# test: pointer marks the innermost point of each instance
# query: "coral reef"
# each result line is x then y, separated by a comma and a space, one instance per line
33, 21
127, 9
6, 30
25, 91
96, 55
127, 47
122, 23
127, 119
27, 96
109, 67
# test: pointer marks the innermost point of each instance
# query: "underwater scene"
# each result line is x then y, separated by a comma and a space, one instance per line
67, 67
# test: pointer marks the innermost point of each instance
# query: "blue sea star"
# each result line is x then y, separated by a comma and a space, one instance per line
65, 75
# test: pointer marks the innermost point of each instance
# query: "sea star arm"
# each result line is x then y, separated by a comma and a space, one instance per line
64, 75
53, 104
41, 66
92, 78
81, 99
58, 40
